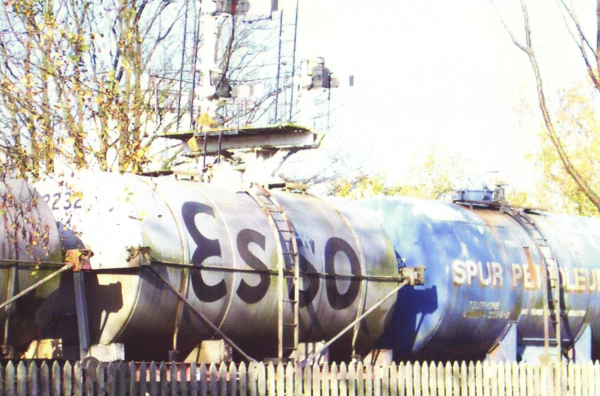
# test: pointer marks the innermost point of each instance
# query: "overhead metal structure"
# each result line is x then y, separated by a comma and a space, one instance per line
214, 141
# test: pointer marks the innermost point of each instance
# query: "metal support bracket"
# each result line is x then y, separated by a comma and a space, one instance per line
79, 259
414, 276
139, 256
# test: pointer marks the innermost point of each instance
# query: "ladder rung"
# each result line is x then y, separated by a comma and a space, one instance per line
291, 301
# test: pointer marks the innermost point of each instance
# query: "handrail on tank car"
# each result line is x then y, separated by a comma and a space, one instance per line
351, 325
201, 316
410, 276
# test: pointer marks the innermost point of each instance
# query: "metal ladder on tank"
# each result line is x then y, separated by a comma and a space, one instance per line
288, 270
551, 287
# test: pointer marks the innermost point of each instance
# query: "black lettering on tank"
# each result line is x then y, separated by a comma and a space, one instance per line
252, 294
314, 282
205, 248
336, 299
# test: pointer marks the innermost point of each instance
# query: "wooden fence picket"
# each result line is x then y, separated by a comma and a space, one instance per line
289, 379
401, 379
316, 380
360, 379
343, 388
393, 379
222, 379
56, 374
334, 385
325, 379
43, 386
242, 378
173, 388
376, 376
10, 379
89, 378
271, 380
578, 384
21, 379
417, 379
78, 380
233, 384
423, 382
432, 379
143, 380
530, 378
193, 385
514, 379
385, 380
100, 380
471, 384
152, 385
353, 379
111, 379
596, 390
441, 380
490, 371
408, 379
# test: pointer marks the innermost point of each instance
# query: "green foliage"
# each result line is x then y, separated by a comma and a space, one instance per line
577, 126
432, 174
435, 172
362, 187
76, 82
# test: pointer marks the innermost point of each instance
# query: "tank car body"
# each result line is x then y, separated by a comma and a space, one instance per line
219, 249
486, 280
29, 251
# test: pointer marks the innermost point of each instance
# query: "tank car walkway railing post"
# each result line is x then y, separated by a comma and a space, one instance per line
201, 316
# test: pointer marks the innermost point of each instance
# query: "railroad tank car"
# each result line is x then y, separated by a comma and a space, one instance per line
219, 249
29, 251
486, 280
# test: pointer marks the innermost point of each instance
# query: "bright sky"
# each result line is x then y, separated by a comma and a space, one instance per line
431, 71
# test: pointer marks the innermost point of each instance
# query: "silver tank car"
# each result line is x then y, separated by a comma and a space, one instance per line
29, 251
486, 285
219, 249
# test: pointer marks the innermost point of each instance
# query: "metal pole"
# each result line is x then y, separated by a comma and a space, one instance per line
201, 316
195, 59
351, 325
11, 292
83, 328
182, 63
278, 65
35, 285
293, 63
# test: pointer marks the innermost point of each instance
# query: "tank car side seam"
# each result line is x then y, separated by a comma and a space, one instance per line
184, 273
234, 264
364, 283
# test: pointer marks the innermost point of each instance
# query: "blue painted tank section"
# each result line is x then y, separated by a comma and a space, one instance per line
442, 318
484, 272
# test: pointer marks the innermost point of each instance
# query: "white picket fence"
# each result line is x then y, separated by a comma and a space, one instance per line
406, 379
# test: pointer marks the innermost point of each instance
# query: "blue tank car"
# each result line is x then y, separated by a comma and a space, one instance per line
500, 282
